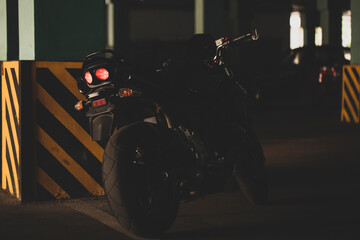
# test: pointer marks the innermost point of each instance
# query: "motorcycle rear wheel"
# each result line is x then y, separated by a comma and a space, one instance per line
141, 190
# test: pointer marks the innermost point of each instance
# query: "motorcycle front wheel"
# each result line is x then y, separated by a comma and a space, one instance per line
250, 171
141, 189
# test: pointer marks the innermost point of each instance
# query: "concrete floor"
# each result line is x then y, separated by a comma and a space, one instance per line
313, 163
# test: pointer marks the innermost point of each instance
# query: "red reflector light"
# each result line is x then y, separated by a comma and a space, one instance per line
88, 77
102, 74
99, 103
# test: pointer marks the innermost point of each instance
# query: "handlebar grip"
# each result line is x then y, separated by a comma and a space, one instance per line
254, 35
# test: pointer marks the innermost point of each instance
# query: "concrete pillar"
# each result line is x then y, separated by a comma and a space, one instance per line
322, 6
330, 21
355, 32
26, 30
110, 22
199, 16
12, 30
335, 22
121, 25
3, 31
234, 17
238, 17
209, 17
310, 20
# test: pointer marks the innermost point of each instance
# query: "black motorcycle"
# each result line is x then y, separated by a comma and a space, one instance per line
172, 133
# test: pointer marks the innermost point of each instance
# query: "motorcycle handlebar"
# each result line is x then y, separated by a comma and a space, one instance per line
253, 35
223, 43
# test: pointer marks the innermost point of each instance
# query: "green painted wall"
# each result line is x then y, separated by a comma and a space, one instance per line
69, 29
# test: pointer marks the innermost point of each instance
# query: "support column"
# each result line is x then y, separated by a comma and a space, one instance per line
311, 21
322, 6
3, 31
12, 30
335, 22
238, 16
234, 17
26, 30
355, 32
330, 21
121, 25
110, 22
199, 16
209, 17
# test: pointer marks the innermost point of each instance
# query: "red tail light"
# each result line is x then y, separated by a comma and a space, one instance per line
333, 72
328, 71
102, 74
88, 77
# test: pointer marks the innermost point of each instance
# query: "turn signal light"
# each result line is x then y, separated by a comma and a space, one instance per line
79, 105
125, 92
102, 74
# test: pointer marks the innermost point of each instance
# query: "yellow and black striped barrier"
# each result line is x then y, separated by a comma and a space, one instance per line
47, 151
68, 161
350, 106
10, 126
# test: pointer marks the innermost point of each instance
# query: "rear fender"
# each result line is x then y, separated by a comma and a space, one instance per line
102, 126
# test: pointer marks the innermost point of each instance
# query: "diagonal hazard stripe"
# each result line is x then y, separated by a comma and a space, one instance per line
10, 124
59, 70
50, 185
352, 92
15, 77
14, 125
69, 163
12, 89
14, 144
350, 104
69, 122
356, 71
351, 109
14, 65
6, 176
4, 168
13, 105
353, 78
12, 159
344, 115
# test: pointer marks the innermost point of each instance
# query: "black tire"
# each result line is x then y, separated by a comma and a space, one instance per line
141, 189
250, 171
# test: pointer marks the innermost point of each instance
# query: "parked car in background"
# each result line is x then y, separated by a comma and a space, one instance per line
306, 76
